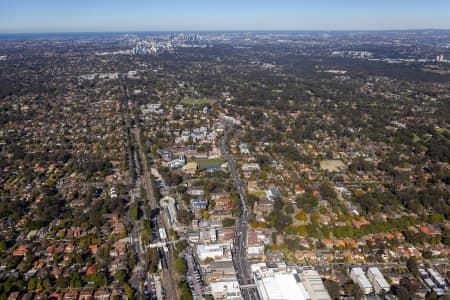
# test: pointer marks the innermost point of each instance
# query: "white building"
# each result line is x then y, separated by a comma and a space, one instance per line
250, 167
177, 163
226, 289
243, 148
437, 278
360, 279
278, 283
377, 279
152, 108
218, 252
255, 250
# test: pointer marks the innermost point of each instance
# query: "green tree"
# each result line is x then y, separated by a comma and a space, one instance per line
437, 218
301, 216
185, 291
120, 276
180, 266
184, 216
128, 290
99, 279
228, 222
154, 259
289, 209
402, 293
431, 296
412, 266
333, 289
427, 254
354, 290
32, 284
3, 245
208, 260
134, 212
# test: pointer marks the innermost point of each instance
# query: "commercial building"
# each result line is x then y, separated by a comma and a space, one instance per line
437, 278
377, 279
360, 279
226, 289
278, 283
221, 277
281, 282
217, 252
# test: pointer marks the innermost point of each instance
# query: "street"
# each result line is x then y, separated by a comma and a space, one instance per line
240, 241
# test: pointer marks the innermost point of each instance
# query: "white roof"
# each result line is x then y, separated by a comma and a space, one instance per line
379, 277
314, 285
284, 286
361, 277
226, 288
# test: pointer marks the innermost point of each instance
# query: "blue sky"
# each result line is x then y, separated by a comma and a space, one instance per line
142, 15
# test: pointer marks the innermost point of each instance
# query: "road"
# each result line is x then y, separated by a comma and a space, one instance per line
240, 240
192, 272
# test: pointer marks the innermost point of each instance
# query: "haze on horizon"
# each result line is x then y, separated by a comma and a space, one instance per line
30, 16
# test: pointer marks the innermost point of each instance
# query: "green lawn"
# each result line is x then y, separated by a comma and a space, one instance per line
204, 162
197, 101
258, 193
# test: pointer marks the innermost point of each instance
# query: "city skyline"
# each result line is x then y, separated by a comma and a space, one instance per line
108, 16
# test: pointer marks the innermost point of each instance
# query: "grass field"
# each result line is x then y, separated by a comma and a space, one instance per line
332, 165
206, 162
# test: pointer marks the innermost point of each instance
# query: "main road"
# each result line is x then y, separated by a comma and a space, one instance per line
240, 240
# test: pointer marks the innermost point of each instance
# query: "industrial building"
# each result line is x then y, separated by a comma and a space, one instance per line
360, 279
377, 279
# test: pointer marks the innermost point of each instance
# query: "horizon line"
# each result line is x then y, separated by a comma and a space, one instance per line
225, 30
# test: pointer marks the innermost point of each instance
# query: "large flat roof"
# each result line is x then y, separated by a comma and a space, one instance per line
283, 286
314, 284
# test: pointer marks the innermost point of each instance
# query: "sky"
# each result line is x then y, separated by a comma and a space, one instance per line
34, 16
